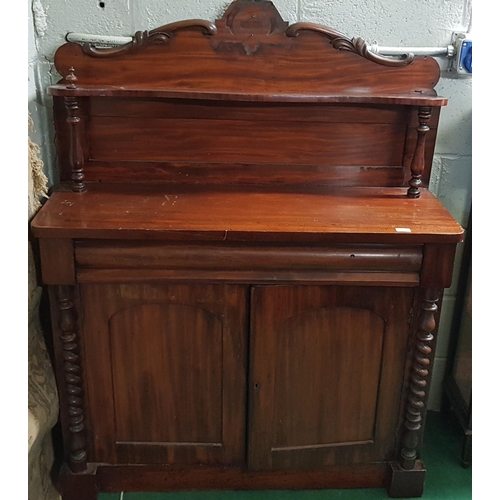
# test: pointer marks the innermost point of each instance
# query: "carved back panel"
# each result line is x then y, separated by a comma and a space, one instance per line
247, 99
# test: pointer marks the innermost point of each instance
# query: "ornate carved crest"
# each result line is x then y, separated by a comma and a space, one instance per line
249, 24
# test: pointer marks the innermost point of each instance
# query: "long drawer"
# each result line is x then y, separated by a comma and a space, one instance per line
114, 261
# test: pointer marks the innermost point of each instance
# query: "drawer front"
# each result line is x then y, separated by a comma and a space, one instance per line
109, 261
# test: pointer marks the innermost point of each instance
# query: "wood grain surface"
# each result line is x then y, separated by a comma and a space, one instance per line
308, 65
325, 379
202, 141
369, 215
166, 371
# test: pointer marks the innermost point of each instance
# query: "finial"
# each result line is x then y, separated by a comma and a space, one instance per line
71, 78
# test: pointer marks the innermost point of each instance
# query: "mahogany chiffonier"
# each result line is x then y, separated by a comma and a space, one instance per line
244, 261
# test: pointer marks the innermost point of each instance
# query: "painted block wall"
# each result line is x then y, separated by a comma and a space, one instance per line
387, 22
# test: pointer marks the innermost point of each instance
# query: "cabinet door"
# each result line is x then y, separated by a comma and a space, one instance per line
326, 373
166, 372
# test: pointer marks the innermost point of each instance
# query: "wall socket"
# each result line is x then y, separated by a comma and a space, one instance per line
462, 61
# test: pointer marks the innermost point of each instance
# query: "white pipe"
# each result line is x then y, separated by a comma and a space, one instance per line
448, 51
98, 39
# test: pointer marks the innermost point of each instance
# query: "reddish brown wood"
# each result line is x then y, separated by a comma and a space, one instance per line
403, 483
75, 156
245, 277
174, 407
115, 261
170, 478
248, 34
348, 96
307, 55
153, 255
355, 45
411, 142
260, 174
246, 185
58, 261
76, 159
420, 379
437, 267
238, 141
235, 137
247, 26
168, 366
268, 119
77, 459
174, 109
81, 486
418, 161
174, 212
142, 39
310, 406
60, 366
71, 79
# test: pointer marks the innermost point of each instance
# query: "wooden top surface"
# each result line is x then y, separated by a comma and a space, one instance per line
197, 213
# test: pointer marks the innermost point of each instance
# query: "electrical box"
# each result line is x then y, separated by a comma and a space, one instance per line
462, 62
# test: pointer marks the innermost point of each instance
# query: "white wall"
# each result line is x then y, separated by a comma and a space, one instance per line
388, 22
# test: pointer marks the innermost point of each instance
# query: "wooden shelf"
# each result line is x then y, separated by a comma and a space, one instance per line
417, 98
246, 213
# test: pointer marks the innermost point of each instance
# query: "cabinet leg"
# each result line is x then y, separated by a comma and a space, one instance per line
78, 486
406, 483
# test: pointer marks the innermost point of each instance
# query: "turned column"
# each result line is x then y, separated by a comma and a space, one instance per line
73, 384
419, 381
418, 160
74, 121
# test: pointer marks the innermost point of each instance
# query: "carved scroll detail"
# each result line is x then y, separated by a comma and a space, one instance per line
251, 24
142, 39
72, 376
418, 160
357, 45
419, 379
76, 159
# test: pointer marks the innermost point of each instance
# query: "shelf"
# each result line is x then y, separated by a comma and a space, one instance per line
354, 97
208, 213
